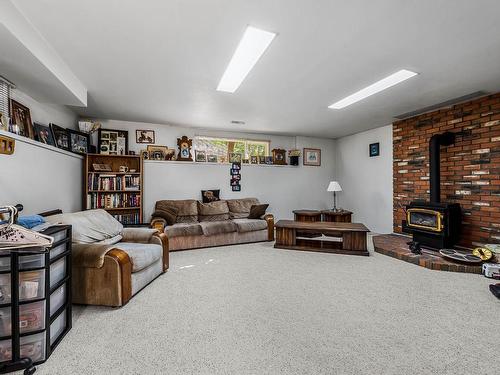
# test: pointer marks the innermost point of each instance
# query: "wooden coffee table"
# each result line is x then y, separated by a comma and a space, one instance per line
352, 235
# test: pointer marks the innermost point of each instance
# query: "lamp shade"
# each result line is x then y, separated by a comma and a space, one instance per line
334, 186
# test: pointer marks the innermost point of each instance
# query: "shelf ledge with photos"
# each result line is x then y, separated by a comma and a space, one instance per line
32, 142
146, 161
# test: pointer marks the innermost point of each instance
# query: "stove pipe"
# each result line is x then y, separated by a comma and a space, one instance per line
435, 143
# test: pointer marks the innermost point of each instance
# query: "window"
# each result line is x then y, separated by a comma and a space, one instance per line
222, 147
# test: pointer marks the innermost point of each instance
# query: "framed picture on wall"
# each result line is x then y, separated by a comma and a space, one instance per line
312, 156
145, 136
112, 142
374, 149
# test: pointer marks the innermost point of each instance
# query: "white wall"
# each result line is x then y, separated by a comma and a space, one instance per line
40, 177
284, 188
366, 181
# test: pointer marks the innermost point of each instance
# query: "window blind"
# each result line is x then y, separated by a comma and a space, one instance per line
4, 97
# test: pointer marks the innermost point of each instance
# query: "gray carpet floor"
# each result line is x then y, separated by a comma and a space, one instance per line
253, 309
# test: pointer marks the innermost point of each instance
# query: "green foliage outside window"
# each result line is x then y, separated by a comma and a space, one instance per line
223, 147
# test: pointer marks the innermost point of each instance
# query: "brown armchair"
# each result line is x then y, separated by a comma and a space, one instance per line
109, 271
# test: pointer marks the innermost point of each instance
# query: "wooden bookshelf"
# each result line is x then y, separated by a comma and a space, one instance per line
119, 193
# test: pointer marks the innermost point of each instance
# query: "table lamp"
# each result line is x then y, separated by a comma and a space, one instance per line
334, 186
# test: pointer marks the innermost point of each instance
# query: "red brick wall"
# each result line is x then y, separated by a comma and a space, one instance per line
470, 169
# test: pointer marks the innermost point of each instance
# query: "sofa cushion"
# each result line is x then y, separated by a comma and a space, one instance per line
184, 229
141, 255
257, 211
240, 208
250, 225
218, 227
188, 209
213, 211
169, 213
89, 226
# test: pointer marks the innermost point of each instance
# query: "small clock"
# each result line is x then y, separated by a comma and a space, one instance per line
184, 145
279, 156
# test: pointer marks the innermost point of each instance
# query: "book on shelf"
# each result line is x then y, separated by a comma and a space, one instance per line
111, 182
133, 218
113, 200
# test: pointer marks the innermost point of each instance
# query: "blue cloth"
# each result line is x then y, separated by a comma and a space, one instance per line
30, 221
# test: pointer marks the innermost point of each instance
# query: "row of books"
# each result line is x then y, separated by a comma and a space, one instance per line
117, 200
113, 182
128, 218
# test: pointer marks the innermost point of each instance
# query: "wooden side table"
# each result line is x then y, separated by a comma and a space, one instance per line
309, 216
336, 216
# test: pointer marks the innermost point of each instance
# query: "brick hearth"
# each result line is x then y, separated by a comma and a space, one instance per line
470, 169
396, 247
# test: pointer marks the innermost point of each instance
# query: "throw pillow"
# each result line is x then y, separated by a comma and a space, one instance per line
257, 211
169, 213
208, 196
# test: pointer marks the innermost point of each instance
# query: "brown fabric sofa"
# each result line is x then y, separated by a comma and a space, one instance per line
223, 222
110, 263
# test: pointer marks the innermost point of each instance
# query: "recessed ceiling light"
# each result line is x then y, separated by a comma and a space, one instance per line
237, 122
378, 86
249, 50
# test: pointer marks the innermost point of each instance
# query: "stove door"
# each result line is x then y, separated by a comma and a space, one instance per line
422, 218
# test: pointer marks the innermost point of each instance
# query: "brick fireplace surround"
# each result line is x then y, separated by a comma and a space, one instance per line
470, 169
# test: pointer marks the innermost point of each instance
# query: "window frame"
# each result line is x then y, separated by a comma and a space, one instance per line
246, 141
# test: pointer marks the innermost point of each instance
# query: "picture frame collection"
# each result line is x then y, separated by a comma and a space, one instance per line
115, 142
52, 135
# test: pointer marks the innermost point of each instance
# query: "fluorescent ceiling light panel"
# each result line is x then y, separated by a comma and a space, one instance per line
381, 85
251, 47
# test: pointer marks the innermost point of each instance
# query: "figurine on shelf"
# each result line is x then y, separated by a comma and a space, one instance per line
184, 144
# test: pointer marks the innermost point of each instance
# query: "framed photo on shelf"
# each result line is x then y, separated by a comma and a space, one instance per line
374, 149
60, 135
145, 136
254, 159
112, 142
234, 157
21, 117
145, 154
200, 156
269, 160
101, 167
312, 156
212, 158
43, 134
160, 152
79, 142
262, 160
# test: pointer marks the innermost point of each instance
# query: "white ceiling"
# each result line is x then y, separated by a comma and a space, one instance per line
160, 61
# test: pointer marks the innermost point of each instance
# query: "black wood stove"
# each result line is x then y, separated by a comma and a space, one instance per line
434, 224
